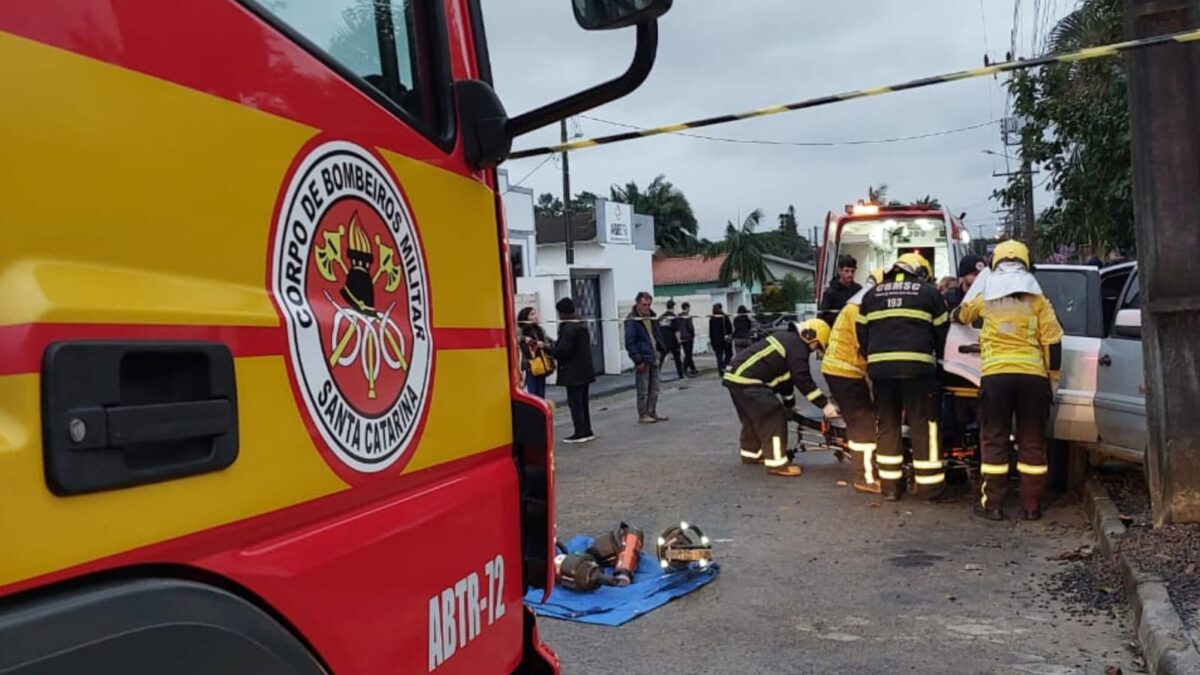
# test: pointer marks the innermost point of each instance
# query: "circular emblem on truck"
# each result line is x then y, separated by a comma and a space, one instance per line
349, 277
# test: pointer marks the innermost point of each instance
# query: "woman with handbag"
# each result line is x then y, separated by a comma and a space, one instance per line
536, 362
576, 371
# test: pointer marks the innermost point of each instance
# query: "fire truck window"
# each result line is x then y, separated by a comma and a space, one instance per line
387, 43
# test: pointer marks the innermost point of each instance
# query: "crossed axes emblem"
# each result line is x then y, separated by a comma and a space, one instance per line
371, 337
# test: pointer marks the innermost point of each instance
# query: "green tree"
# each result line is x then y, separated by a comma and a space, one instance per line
772, 302
928, 202
1077, 131
675, 226
797, 290
786, 241
743, 249
549, 205
877, 195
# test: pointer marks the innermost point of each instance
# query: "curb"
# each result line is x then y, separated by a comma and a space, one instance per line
632, 385
1165, 642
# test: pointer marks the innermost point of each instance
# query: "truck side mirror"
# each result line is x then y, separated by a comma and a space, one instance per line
1128, 324
609, 14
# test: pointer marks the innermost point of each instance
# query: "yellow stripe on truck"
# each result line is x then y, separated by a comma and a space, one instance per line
276, 468
145, 202
161, 196
478, 418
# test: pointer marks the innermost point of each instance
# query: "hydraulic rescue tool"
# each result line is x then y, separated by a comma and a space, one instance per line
627, 560
577, 571
681, 545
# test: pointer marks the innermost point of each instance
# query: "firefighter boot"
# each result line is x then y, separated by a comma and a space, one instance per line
868, 488
787, 470
990, 514
892, 490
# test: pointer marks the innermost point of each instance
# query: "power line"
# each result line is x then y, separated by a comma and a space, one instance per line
808, 144
1086, 54
531, 172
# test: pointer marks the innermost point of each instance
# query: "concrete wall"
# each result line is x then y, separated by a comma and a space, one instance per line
624, 270
539, 292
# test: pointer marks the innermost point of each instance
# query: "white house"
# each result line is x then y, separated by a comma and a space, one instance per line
613, 248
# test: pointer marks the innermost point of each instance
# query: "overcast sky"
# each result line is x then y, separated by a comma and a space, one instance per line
717, 57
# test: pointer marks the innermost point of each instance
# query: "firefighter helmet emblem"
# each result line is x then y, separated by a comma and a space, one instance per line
350, 277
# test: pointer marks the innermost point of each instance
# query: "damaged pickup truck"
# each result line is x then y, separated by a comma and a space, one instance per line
1100, 401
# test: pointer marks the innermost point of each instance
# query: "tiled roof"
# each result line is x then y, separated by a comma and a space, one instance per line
690, 270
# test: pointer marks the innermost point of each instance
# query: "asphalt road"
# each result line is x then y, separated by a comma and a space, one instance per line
816, 578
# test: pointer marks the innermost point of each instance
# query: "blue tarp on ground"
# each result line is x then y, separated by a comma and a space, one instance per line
612, 606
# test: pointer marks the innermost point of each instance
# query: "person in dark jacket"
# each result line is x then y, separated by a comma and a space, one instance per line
902, 324
531, 339
840, 290
642, 338
669, 329
762, 381
687, 339
576, 371
968, 269
720, 337
743, 329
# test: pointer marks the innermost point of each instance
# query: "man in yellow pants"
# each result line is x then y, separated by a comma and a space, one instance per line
1021, 343
845, 372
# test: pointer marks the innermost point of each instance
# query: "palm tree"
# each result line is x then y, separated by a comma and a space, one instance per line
743, 249
929, 202
675, 226
877, 195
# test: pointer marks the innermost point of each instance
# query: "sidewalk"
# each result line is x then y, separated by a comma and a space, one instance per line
607, 385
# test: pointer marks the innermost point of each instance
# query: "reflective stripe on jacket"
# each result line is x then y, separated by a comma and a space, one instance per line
780, 362
842, 357
901, 327
1021, 334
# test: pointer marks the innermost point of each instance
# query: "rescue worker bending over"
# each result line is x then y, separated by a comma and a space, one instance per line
760, 376
902, 326
845, 372
1021, 344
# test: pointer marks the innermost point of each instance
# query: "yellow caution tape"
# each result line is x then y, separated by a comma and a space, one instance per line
1102, 51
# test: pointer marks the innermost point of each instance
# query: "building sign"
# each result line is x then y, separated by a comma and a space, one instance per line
618, 219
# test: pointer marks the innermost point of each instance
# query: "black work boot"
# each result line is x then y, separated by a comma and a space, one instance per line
990, 514
892, 490
1028, 514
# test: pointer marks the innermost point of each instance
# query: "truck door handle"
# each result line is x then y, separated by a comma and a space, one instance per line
126, 425
121, 414
1105, 360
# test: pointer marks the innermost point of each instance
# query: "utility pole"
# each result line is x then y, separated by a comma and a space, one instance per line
566, 171
1164, 94
1030, 217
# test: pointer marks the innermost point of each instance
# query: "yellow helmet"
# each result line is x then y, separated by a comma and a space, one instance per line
814, 332
1011, 250
916, 263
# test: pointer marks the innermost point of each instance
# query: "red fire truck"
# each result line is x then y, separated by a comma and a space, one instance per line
258, 402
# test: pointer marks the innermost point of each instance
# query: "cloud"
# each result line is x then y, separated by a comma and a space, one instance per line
717, 57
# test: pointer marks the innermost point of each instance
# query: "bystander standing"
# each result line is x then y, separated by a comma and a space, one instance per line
668, 330
720, 336
687, 339
576, 372
641, 343
743, 329
532, 341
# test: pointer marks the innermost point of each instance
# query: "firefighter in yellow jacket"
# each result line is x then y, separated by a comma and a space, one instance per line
845, 372
1021, 343
761, 381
